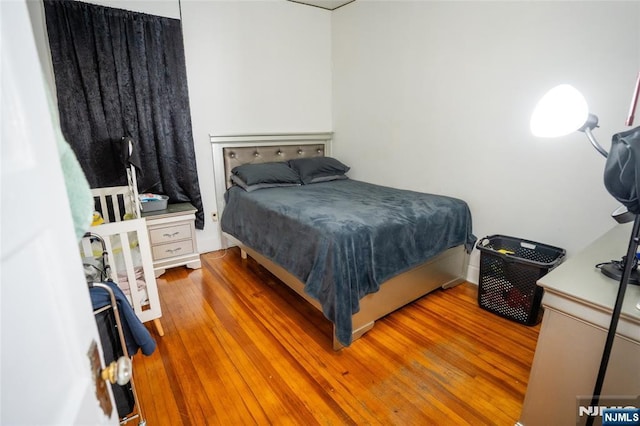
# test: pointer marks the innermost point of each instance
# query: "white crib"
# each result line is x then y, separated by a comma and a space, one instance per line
126, 238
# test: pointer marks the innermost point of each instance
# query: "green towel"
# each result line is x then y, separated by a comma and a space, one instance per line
78, 190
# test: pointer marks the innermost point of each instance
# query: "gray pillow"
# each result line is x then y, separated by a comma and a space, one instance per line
318, 179
318, 169
242, 184
274, 173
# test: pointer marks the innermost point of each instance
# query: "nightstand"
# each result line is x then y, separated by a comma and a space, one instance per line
173, 237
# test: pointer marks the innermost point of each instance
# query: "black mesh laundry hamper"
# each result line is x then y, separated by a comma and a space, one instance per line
509, 270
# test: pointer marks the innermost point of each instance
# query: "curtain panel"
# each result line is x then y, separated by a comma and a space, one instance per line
123, 74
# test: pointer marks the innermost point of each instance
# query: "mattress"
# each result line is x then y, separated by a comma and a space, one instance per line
344, 238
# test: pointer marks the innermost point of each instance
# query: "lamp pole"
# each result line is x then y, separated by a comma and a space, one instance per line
634, 239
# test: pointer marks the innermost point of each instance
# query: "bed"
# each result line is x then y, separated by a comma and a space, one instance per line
128, 249
356, 266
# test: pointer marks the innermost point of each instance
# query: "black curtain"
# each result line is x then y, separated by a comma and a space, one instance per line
123, 74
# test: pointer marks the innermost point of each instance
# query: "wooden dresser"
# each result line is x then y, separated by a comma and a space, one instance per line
173, 237
578, 301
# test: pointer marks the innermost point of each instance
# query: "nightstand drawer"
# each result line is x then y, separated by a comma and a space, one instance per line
178, 248
171, 233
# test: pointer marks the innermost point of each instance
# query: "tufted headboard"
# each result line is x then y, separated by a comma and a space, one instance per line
236, 156
230, 151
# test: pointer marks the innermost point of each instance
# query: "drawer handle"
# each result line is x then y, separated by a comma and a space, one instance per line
173, 250
171, 235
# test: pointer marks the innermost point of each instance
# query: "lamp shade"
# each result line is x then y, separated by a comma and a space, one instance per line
562, 110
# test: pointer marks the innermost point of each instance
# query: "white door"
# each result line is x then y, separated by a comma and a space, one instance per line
46, 319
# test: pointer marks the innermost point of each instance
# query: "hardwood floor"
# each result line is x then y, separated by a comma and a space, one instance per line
241, 348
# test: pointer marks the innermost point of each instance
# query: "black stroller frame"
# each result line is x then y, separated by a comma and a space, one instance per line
119, 343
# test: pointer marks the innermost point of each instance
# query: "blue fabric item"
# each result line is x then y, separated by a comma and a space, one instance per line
136, 334
345, 237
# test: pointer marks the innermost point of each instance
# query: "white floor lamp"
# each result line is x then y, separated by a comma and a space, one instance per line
564, 110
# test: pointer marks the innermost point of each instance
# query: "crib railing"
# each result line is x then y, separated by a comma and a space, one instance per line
128, 253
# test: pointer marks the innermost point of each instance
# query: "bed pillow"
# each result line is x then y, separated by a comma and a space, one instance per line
318, 169
239, 182
264, 175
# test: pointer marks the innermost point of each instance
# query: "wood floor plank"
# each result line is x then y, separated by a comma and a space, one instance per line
242, 348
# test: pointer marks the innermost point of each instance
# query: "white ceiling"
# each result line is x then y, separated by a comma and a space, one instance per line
325, 4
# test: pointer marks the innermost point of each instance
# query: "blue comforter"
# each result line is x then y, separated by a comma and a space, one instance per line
344, 238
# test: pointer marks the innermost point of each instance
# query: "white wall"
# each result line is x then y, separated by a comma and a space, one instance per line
436, 97
253, 67
167, 8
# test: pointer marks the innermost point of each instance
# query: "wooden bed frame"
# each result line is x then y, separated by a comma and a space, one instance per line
444, 271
